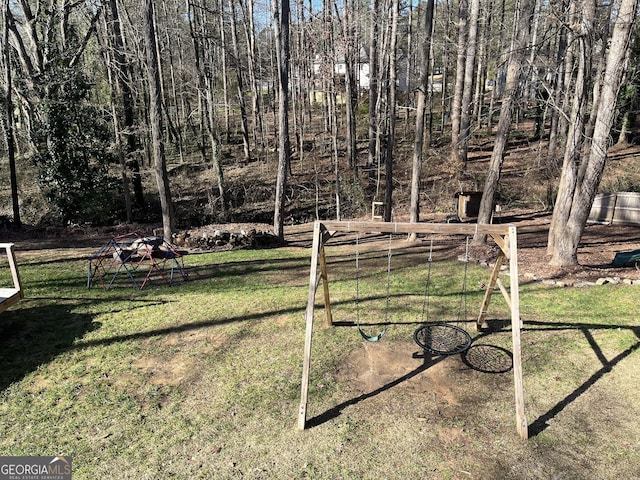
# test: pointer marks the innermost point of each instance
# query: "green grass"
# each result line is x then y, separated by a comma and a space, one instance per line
202, 379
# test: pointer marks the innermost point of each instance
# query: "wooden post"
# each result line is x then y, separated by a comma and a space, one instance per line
311, 299
521, 420
11, 296
15, 275
325, 286
489, 292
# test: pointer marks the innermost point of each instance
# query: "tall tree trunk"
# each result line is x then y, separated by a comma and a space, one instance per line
575, 135
456, 108
205, 97
112, 73
331, 99
558, 86
281, 12
391, 102
372, 159
250, 34
10, 123
568, 236
225, 71
381, 111
524, 10
155, 119
239, 83
499, 53
123, 76
481, 73
350, 59
469, 65
172, 117
421, 103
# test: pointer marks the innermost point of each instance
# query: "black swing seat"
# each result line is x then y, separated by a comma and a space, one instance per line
441, 338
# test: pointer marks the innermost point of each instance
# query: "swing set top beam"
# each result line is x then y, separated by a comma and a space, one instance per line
406, 227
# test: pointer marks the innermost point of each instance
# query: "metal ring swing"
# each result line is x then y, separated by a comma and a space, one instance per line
365, 336
441, 338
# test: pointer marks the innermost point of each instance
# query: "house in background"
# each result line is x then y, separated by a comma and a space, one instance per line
362, 81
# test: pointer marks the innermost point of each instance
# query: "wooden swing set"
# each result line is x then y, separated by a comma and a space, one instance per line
10, 295
504, 236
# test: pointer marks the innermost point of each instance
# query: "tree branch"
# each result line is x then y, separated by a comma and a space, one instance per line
87, 37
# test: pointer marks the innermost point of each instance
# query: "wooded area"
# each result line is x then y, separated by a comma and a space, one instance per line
96, 91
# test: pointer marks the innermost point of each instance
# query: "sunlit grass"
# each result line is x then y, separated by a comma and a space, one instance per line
201, 379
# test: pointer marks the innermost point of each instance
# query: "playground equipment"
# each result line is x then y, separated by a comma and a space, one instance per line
137, 256
505, 238
10, 295
443, 338
367, 337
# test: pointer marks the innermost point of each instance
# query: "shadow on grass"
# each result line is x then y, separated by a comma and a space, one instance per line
541, 423
34, 336
488, 358
501, 362
31, 336
336, 411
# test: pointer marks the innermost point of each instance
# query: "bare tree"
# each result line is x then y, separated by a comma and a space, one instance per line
558, 85
469, 65
567, 236
281, 13
155, 119
374, 82
456, 108
9, 126
481, 72
252, 68
515, 73
349, 48
575, 136
239, 82
117, 129
421, 104
204, 64
391, 104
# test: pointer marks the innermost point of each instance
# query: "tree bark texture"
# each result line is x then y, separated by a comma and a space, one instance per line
463, 13
575, 135
155, 119
10, 123
421, 104
513, 82
568, 237
281, 12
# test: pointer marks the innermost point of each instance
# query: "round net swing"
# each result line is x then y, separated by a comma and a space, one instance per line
443, 338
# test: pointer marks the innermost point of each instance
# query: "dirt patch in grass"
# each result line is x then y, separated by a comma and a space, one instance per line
375, 367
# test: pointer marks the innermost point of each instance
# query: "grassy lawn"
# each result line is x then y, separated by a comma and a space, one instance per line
202, 379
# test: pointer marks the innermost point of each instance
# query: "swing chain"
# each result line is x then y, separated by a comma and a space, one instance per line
377, 337
427, 286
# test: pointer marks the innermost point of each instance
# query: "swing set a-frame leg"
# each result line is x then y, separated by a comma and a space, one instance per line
481, 322
317, 257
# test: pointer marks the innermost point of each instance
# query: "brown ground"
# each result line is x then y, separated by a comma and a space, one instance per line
597, 250
598, 247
